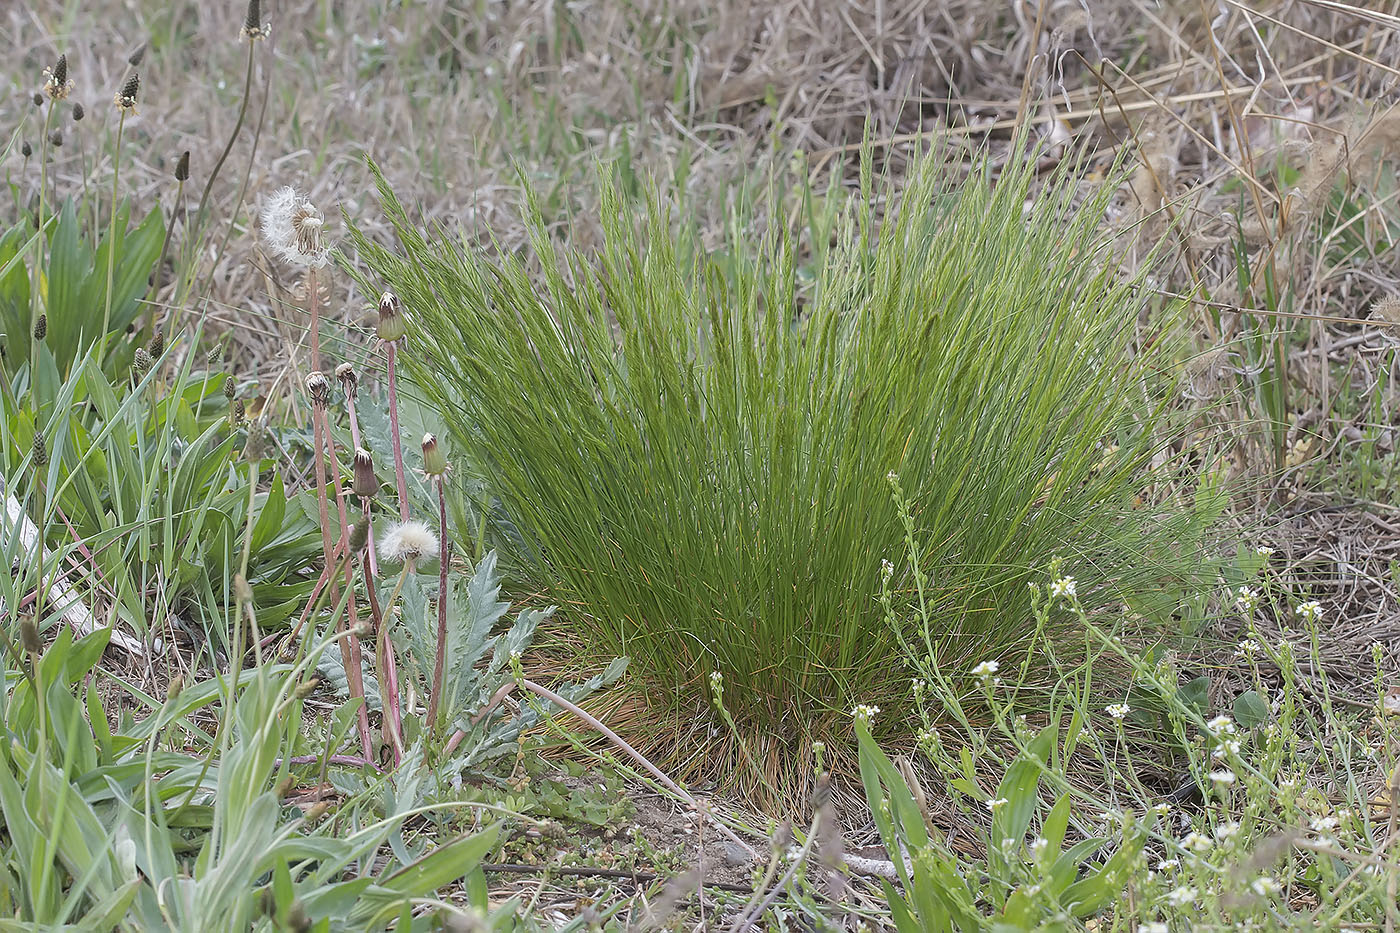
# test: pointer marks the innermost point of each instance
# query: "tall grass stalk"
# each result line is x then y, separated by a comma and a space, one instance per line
695, 446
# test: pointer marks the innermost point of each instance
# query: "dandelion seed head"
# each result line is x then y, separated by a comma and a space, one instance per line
293, 228
408, 541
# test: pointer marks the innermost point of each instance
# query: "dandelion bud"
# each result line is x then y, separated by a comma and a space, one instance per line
319, 386
78, 113
41, 327
157, 344
391, 326
25, 149
366, 483
57, 84
56, 138
137, 57
41, 450
434, 460
142, 361
297, 919
125, 99
29, 635
359, 536
256, 446
350, 382
182, 167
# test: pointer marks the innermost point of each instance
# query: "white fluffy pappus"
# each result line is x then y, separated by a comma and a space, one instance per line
293, 228
408, 541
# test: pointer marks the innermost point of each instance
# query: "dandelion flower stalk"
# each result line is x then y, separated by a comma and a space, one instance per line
435, 466
391, 330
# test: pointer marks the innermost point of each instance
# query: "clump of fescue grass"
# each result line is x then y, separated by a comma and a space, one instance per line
699, 459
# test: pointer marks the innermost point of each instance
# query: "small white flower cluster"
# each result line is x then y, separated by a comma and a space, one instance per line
1264, 886
986, 669
1064, 588
1246, 598
1247, 648
1322, 824
1310, 611
1226, 831
1118, 711
717, 684
995, 805
865, 713
1264, 550
1169, 864
1226, 747
1196, 842
1183, 896
1038, 846
1221, 725
1153, 926
1224, 777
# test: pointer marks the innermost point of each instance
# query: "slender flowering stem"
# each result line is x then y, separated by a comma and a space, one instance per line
388, 673
36, 291
350, 645
440, 663
399, 475
112, 233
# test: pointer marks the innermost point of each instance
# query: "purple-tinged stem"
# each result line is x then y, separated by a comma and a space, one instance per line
399, 475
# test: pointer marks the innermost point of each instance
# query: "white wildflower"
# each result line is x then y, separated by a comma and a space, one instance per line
408, 541
1153, 926
1264, 550
1063, 588
1168, 864
1196, 842
997, 804
1264, 886
1183, 896
1223, 777
865, 713
1246, 598
293, 228
986, 669
1247, 648
1227, 830
1038, 846
1118, 710
1162, 809
1324, 824
1310, 611
1221, 723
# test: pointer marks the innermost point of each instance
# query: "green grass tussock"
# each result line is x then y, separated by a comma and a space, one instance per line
698, 455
